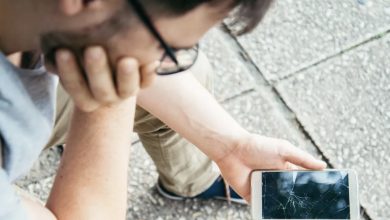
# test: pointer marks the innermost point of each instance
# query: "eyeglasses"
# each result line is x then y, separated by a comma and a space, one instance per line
173, 60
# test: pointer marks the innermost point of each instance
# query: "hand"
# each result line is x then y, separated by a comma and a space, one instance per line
262, 153
99, 86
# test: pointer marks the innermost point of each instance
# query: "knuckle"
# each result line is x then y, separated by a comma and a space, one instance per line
133, 63
86, 106
282, 152
126, 93
104, 95
72, 85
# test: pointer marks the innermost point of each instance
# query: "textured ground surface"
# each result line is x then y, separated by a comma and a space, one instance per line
316, 73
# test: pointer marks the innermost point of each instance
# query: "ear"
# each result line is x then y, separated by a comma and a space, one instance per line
70, 7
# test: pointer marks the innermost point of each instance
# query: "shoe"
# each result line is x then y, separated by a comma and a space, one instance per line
216, 191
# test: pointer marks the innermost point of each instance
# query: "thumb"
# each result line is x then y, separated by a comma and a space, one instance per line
148, 74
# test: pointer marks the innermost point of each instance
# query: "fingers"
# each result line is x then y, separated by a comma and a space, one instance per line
128, 78
100, 78
148, 74
247, 199
290, 166
74, 82
299, 157
98, 85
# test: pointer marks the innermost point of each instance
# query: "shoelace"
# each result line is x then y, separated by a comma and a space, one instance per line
227, 192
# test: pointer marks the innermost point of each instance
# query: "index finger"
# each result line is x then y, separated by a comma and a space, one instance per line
301, 158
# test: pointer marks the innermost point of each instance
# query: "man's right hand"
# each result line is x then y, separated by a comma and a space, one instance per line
99, 86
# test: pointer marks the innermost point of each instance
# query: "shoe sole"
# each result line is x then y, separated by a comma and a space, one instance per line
168, 196
238, 201
177, 198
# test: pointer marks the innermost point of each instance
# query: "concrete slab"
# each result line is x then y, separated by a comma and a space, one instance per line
260, 113
344, 104
296, 34
231, 77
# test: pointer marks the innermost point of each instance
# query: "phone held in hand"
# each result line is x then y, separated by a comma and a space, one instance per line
304, 194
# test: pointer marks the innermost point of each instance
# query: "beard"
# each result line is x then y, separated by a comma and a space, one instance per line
77, 42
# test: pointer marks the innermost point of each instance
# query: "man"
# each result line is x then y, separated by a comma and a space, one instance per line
91, 181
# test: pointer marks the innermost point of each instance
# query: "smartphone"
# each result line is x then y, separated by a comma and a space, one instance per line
304, 194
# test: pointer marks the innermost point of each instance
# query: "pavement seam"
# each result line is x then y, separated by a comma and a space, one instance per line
242, 93
341, 52
283, 106
363, 211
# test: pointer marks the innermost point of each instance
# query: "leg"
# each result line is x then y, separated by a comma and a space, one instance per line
64, 110
182, 168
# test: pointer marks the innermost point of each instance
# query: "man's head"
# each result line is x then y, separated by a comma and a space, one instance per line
114, 24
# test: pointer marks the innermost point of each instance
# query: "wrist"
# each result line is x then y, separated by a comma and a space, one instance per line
235, 141
124, 108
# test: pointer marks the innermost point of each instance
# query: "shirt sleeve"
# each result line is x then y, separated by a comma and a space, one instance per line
10, 205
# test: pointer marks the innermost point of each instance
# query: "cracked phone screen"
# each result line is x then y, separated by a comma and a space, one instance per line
305, 195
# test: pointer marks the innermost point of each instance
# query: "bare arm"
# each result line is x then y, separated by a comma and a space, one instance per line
188, 108
92, 179
91, 182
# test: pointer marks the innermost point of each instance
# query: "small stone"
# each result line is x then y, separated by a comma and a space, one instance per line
161, 202
208, 210
362, 2
387, 10
301, 77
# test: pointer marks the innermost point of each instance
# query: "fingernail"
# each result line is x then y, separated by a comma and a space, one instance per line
63, 55
127, 66
94, 53
156, 65
130, 64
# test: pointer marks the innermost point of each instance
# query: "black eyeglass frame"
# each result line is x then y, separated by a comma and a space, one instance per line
169, 51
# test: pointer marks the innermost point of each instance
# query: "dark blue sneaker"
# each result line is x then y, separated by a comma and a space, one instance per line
215, 191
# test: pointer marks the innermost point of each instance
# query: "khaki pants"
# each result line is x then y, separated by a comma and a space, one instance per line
182, 168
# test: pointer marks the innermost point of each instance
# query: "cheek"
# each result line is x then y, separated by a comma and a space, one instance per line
138, 46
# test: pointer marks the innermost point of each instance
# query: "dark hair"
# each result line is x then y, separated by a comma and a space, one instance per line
247, 14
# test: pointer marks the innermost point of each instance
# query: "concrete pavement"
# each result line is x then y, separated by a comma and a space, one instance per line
316, 73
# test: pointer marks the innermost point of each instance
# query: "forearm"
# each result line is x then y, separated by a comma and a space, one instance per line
92, 179
186, 106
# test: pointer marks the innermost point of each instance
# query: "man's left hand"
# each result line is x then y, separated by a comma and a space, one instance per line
262, 153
